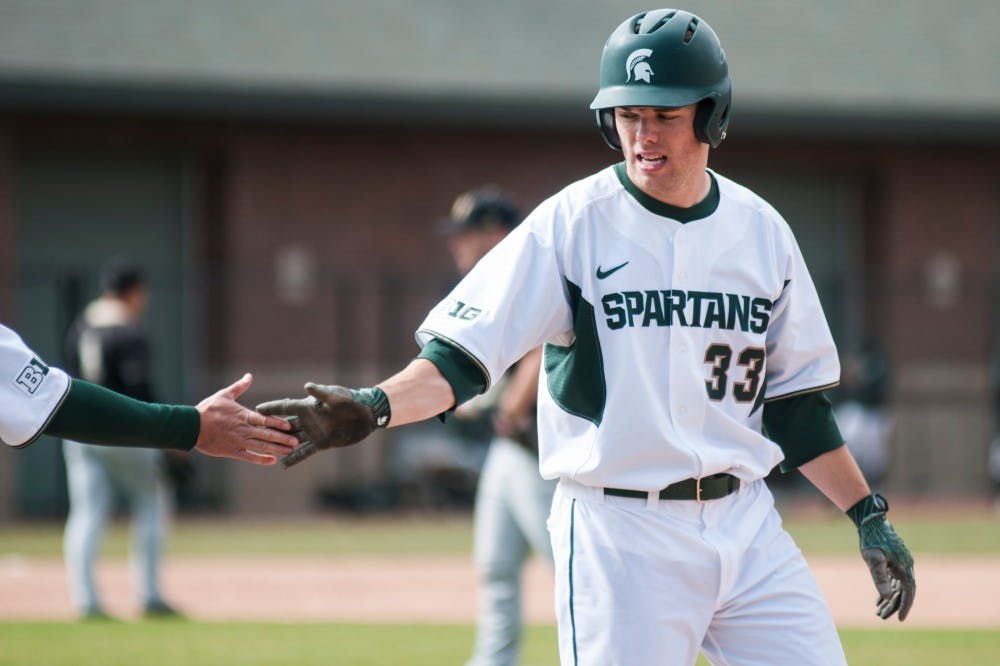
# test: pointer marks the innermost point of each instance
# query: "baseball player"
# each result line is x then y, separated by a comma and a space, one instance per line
36, 399
512, 500
108, 346
686, 354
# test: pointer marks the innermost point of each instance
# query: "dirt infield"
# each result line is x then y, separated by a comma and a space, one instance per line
953, 592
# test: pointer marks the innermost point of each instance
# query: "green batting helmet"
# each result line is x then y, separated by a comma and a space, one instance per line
665, 58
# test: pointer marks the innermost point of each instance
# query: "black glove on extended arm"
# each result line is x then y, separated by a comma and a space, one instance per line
333, 417
886, 556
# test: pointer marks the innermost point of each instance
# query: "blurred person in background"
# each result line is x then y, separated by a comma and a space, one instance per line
994, 467
993, 462
512, 500
862, 412
108, 346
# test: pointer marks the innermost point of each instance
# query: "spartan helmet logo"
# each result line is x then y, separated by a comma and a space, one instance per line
636, 67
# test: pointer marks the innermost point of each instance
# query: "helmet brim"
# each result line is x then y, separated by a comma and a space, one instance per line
631, 95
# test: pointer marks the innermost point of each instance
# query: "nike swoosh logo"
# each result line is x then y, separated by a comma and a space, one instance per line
603, 274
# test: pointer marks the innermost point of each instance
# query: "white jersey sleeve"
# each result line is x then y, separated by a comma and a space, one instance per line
511, 302
30, 391
801, 355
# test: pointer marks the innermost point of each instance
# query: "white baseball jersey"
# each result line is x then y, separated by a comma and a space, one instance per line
664, 337
30, 391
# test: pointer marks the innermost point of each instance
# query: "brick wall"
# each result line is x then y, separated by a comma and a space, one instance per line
318, 254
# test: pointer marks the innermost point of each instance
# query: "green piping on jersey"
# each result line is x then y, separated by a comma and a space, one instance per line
803, 426
700, 210
575, 374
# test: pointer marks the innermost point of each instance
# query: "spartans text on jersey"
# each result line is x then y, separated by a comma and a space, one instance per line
676, 307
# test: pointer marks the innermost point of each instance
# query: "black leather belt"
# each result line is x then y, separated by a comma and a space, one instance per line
712, 487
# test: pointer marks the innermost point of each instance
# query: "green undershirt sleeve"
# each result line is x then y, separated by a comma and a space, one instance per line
803, 426
466, 378
94, 415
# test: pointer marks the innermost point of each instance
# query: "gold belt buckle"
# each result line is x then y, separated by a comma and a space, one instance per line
697, 490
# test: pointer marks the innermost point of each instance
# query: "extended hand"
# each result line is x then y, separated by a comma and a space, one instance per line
333, 417
887, 557
230, 430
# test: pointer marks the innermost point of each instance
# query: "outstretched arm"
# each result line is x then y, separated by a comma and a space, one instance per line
335, 416
218, 426
417, 392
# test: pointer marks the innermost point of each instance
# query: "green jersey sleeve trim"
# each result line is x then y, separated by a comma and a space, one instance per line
464, 374
803, 426
94, 415
434, 335
700, 210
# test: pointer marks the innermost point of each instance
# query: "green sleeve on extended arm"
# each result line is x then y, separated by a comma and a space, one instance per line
94, 415
465, 377
803, 426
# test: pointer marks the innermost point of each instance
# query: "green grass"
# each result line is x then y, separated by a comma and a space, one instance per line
901, 647
195, 644
326, 538
957, 535
214, 644
817, 533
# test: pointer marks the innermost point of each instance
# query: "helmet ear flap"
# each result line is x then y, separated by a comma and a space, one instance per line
710, 121
606, 123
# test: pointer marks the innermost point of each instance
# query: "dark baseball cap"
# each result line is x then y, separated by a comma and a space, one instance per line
120, 276
481, 208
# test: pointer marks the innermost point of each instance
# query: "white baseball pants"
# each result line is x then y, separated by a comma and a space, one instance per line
93, 473
512, 505
653, 582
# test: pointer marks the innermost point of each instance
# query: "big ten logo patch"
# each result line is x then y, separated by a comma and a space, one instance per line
32, 376
459, 310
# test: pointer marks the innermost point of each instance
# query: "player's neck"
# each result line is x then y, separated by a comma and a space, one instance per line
679, 192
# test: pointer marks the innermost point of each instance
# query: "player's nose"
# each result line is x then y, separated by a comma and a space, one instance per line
646, 131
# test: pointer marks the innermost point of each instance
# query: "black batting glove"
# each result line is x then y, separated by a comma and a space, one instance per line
886, 555
332, 417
